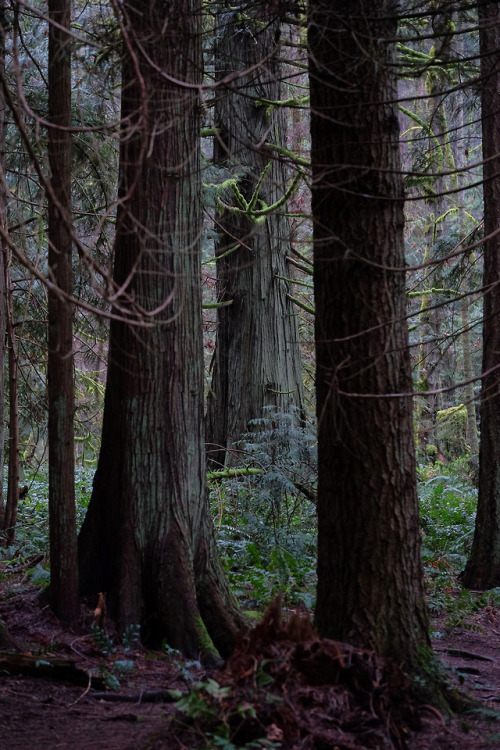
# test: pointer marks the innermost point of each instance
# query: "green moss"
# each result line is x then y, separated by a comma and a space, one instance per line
432, 685
208, 653
253, 615
451, 431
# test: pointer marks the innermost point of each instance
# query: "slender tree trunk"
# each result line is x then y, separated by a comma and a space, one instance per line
370, 582
11, 504
148, 539
60, 388
483, 568
432, 353
470, 402
257, 356
3, 251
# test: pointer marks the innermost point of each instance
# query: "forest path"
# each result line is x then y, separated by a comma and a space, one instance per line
47, 714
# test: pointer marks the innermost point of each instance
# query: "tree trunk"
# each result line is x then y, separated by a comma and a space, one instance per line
3, 252
257, 356
370, 582
11, 505
469, 397
483, 568
60, 389
148, 539
433, 350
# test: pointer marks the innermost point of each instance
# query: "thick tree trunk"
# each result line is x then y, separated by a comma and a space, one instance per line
370, 582
257, 356
60, 388
483, 568
148, 539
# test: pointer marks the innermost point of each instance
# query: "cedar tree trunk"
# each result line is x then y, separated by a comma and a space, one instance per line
370, 582
148, 539
257, 358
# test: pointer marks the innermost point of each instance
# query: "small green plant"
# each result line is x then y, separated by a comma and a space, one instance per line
102, 640
124, 666
207, 704
131, 637
183, 667
110, 680
195, 704
40, 576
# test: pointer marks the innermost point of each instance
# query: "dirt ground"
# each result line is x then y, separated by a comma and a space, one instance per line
295, 706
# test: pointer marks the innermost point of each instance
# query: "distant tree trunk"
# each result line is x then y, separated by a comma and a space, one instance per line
483, 568
370, 581
470, 402
8, 336
3, 251
433, 352
12, 501
148, 539
257, 358
60, 389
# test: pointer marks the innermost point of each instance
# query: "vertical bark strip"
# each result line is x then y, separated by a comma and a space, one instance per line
148, 539
12, 500
370, 582
3, 251
60, 389
257, 355
483, 568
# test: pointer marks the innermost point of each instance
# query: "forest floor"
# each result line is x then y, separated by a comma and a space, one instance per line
276, 691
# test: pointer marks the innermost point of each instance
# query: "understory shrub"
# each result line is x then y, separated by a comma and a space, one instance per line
267, 522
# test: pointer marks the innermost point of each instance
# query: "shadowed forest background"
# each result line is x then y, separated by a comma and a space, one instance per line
250, 304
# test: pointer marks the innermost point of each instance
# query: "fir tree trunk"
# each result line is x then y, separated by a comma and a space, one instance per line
257, 356
483, 568
148, 539
370, 581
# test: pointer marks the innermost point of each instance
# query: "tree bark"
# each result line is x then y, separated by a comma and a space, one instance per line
148, 539
257, 360
60, 389
483, 567
3, 253
12, 501
370, 581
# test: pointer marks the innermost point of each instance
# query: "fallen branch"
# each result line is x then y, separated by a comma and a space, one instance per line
230, 473
53, 668
145, 696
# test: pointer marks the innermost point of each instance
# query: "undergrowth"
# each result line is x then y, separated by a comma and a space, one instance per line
266, 523
32, 528
448, 500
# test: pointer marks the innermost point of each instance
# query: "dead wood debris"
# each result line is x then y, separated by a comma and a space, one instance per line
313, 693
52, 667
